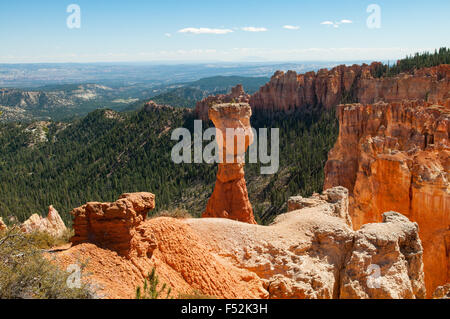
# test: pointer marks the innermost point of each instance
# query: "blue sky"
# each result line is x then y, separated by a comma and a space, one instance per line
198, 30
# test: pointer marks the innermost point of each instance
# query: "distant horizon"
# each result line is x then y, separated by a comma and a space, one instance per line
200, 62
36, 75
206, 62
407, 52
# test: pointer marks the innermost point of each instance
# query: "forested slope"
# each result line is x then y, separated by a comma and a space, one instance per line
106, 153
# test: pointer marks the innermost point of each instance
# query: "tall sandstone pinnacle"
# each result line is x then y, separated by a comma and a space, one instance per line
396, 156
230, 197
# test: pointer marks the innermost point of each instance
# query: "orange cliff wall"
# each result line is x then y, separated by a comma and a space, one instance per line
396, 157
327, 88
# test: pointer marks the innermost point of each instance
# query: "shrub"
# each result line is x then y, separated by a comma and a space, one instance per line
44, 240
150, 289
25, 273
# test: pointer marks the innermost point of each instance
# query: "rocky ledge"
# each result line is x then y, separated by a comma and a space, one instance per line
310, 252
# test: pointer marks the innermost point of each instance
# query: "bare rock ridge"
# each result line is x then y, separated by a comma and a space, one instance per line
52, 224
336, 199
396, 156
306, 253
312, 253
328, 88
230, 197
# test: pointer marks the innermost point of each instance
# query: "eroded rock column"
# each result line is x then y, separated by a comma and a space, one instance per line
116, 226
234, 135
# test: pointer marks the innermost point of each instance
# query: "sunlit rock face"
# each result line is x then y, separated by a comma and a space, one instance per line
116, 226
328, 88
116, 240
396, 156
233, 135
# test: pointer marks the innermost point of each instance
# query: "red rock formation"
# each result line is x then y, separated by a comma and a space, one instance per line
52, 224
306, 253
116, 226
121, 247
230, 197
312, 253
237, 95
397, 157
182, 259
328, 88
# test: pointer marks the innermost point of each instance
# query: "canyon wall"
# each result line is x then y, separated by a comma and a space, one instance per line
396, 156
358, 83
287, 91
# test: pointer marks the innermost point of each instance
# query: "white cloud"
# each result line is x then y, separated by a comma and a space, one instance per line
254, 29
337, 24
291, 27
205, 31
168, 35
